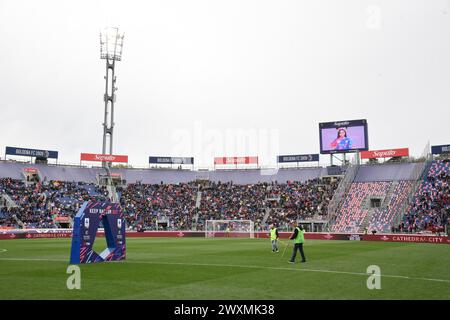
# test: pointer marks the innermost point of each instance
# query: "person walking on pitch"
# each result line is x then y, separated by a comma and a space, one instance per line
299, 239
274, 238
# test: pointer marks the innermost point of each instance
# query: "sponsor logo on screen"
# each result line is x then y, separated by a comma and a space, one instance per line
342, 123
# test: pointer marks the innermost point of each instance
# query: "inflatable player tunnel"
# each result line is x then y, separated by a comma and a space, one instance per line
85, 227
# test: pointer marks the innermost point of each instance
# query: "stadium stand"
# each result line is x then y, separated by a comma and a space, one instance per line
150, 206
382, 220
303, 201
353, 212
228, 201
376, 197
430, 207
177, 200
172, 200
38, 204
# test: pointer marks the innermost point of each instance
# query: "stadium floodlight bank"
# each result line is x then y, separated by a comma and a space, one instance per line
111, 45
229, 228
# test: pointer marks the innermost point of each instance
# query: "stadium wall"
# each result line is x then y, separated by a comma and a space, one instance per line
387, 172
65, 233
156, 176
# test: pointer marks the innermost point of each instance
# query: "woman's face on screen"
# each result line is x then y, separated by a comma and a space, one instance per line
341, 133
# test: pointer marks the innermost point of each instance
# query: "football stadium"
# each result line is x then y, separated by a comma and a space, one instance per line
108, 194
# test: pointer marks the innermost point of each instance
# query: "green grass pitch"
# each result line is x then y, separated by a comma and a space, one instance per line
216, 269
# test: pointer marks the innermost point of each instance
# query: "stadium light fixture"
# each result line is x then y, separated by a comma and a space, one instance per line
111, 44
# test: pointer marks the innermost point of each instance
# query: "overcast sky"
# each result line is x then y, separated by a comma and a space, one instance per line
224, 78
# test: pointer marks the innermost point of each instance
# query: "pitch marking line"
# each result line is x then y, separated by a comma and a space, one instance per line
284, 269
32, 259
239, 266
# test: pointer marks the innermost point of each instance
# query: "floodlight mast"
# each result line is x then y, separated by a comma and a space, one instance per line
111, 44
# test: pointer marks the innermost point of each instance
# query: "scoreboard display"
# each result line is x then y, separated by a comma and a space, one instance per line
343, 136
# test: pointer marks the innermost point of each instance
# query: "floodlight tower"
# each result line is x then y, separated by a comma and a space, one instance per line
111, 44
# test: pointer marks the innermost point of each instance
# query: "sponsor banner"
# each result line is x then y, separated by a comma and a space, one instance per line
166, 234
355, 237
30, 170
299, 158
389, 153
103, 157
26, 235
14, 151
18, 231
440, 149
62, 219
236, 160
171, 160
65, 233
407, 238
365, 237
325, 236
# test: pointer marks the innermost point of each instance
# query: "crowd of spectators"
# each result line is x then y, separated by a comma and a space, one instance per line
38, 204
283, 203
183, 206
159, 206
430, 208
227, 201
302, 201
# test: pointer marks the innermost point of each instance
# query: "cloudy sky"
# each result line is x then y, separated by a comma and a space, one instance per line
223, 78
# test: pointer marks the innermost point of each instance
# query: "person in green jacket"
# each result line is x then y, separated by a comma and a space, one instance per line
299, 239
274, 238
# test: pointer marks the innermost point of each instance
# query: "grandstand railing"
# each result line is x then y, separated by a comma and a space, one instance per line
9, 202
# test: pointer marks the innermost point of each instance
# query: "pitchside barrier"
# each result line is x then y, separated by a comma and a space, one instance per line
67, 233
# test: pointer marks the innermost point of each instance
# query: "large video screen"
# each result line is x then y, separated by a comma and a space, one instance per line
343, 136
